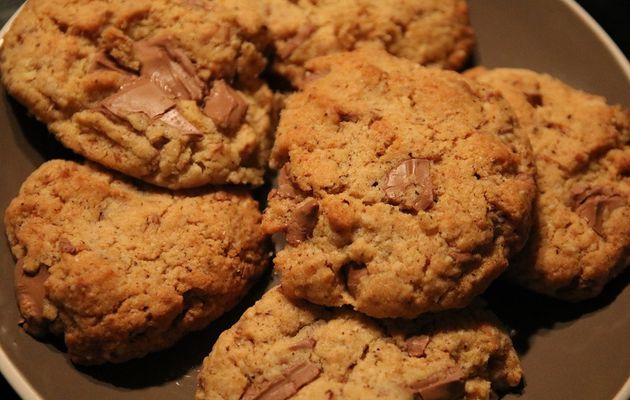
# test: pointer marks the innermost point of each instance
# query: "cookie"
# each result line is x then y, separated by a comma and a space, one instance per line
402, 190
435, 33
581, 148
281, 349
164, 91
121, 271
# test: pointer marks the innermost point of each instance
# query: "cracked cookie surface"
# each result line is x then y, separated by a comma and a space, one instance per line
121, 271
429, 32
165, 91
281, 349
581, 145
402, 190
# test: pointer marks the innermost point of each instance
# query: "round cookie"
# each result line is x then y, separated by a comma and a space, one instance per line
430, 32
402, 190
165, 91
121, 271
581, 145
281, 349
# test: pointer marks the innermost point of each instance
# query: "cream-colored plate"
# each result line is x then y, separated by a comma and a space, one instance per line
577, 352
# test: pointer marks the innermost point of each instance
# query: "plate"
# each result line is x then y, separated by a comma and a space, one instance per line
578, 352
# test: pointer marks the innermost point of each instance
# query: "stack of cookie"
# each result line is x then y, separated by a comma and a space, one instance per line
402, 193
165, 92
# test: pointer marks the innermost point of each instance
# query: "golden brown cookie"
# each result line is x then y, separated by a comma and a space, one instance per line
581, 147
120, 270
165, 91
282, 349
430, 32
402, 189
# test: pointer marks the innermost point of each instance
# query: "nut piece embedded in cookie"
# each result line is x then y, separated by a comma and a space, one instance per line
467, 355
121, 271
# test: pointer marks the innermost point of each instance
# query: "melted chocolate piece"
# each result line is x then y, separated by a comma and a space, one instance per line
416, 345
292, 380
286, 189
30, 293
139, 95
306, 343
354, 273
225, 106
409, 185
302, 222
591, 204
169, 68
446, 386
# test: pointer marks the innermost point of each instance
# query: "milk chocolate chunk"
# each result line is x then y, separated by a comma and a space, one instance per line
169, 68
292, 380
447, 386
354, 273
409, 185
416, 345
286, 189
139, 95
591, 204
302, 222
30, 294
225, 106
306, 343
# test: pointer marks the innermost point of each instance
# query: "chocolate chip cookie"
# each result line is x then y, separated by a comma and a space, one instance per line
165, 91
435, 33
581, 148
402, 189
282, 349
120, 270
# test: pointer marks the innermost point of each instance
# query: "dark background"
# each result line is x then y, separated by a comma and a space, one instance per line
612, 15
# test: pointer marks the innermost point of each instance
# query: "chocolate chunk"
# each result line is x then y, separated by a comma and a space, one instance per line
292, 380
446, 386
306, 343
30, 294
302, 222
169, 68
139, 95
534, 99
286, 189
295, 41
409, 185
354, 273
102, 60
416, 345
591, 204
225, 106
